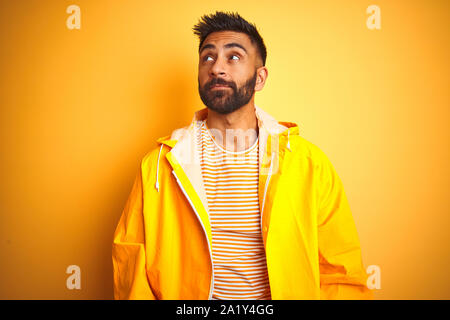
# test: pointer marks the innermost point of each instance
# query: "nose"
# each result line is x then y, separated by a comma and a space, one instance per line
218, 68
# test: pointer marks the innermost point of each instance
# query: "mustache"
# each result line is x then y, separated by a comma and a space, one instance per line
219, 81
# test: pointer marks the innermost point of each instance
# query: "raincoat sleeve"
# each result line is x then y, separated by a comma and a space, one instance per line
342, 275
128, 251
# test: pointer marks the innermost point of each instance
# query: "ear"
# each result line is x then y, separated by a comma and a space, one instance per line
261, 76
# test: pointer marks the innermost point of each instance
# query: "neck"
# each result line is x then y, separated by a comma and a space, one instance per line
236, 131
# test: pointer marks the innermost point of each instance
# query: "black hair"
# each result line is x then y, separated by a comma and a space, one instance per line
223, 21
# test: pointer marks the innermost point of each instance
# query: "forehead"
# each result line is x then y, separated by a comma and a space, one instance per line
221, 38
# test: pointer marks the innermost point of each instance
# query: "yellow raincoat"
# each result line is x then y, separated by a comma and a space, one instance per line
162, 243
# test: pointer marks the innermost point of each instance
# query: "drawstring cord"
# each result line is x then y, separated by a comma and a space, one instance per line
288, 146
157, 169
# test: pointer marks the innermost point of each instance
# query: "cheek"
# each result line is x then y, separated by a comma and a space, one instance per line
202, 74
203, 68
203, 84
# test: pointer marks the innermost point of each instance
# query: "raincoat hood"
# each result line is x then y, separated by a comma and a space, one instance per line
185, 153
265, 122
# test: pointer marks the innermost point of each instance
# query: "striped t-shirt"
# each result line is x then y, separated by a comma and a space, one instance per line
231, 185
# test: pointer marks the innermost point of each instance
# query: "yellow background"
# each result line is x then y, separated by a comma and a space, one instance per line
80, 108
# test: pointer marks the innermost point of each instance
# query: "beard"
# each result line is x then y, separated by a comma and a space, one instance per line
227, 100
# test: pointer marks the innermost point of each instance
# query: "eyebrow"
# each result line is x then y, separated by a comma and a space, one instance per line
228, 45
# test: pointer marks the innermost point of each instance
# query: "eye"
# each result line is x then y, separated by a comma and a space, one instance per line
235, 56
206, 57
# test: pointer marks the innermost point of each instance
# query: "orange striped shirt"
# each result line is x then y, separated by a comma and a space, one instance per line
231, 185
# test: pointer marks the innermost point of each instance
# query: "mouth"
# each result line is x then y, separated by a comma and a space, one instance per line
219, 86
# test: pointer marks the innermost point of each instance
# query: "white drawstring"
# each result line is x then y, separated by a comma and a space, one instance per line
157, 169
288, 146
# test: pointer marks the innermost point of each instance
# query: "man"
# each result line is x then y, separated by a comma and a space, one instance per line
236, 205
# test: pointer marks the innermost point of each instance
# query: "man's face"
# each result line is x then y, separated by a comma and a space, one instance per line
227, 71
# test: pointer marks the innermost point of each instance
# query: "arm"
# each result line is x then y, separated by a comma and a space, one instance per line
342, 275
128, 251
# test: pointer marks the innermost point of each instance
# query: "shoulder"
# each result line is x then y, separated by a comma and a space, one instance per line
313, 157
306, 149
150, 157
163, 145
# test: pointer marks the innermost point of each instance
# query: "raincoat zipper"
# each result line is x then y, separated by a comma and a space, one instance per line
206, 234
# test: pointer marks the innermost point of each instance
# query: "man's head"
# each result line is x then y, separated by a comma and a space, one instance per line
233, 54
